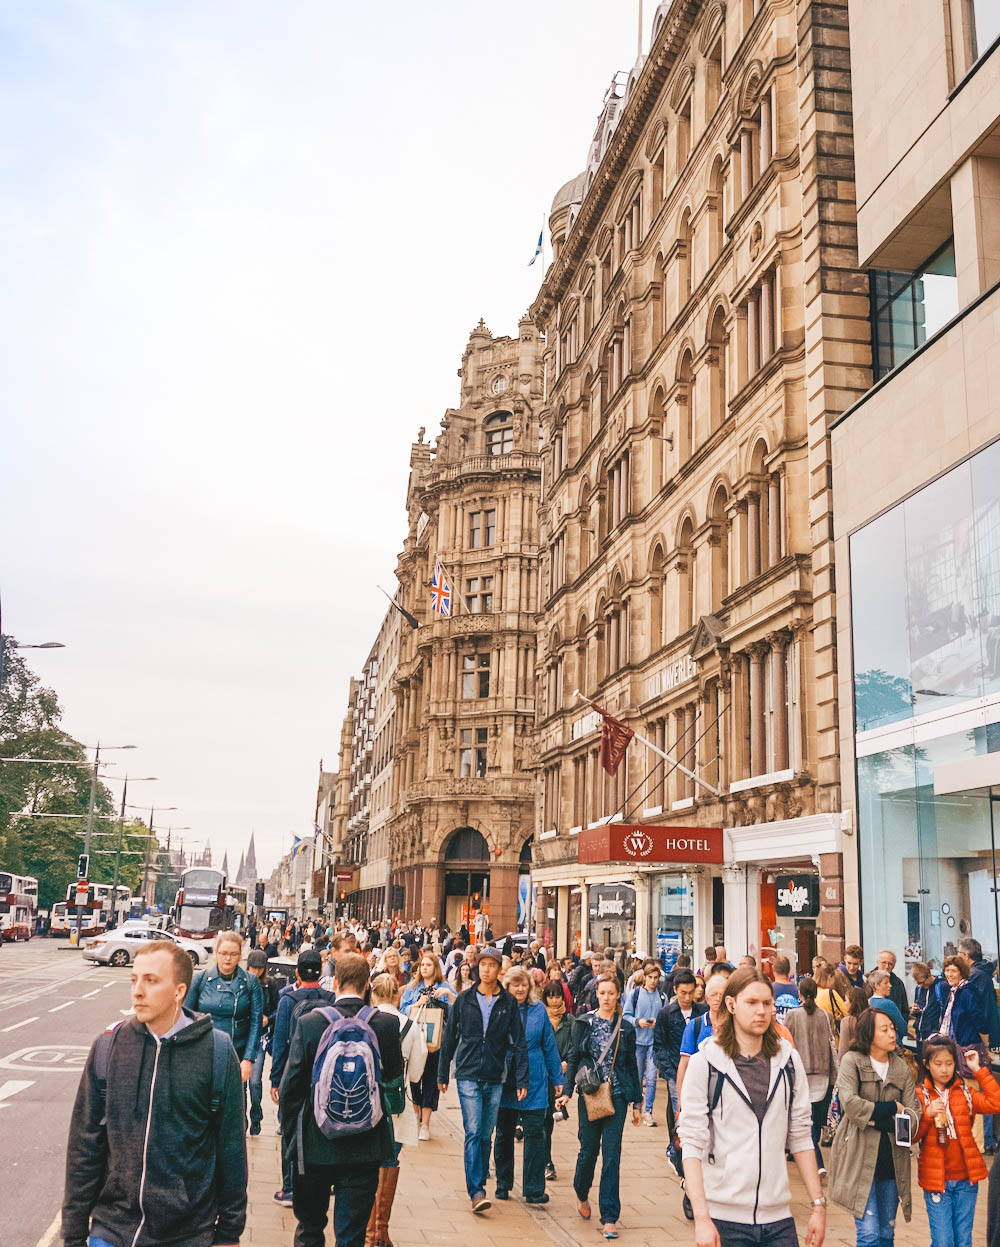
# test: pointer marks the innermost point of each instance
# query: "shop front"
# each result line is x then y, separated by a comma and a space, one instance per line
667, 896
789, 916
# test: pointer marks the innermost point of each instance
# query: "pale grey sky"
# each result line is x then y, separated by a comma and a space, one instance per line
242, 247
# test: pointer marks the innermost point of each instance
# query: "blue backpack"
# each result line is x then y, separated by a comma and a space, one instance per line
347, 1075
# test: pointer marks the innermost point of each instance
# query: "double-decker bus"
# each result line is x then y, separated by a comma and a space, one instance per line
18, 906
206, 904
59, 926
99, 907
236, 917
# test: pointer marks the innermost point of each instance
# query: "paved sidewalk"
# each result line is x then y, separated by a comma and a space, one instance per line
431, 1205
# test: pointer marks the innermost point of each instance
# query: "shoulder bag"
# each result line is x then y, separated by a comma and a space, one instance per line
429, 1016
598, 1102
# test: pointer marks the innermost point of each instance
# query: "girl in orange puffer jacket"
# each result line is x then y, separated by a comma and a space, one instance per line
951, 1164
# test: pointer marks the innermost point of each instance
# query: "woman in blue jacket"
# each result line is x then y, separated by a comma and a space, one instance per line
544, 1066
232, 997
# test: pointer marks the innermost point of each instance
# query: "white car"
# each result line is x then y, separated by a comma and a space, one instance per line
118, 947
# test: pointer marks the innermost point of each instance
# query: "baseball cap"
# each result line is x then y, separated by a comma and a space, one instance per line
587, 955
256, 958
309, 965
490, 951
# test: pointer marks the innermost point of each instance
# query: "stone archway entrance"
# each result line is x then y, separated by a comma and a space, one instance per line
466, 878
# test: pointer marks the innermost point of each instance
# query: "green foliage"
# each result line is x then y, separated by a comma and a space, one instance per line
48, 847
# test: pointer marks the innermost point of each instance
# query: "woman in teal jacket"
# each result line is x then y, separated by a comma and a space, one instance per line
544, 1066
232, 998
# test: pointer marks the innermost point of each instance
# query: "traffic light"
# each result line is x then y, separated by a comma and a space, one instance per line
83, 865
258, 894
343, 895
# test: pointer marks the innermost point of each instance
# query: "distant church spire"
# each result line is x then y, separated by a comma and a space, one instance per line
251, 866
225, 864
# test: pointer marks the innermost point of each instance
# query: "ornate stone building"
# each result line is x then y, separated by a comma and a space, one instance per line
464, 792
704, 323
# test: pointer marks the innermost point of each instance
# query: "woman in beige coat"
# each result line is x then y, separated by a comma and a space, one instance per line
869, 1171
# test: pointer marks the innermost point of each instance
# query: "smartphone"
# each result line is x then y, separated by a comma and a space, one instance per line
903, 1127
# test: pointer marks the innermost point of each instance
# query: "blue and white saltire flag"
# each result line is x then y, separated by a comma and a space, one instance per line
538, 248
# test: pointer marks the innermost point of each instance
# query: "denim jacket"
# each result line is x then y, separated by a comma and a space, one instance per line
235, 1006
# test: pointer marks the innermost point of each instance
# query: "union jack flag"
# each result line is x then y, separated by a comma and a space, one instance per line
440, 591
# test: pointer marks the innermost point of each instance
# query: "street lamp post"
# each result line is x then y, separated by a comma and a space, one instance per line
43, 645
145, 868
90, 825
145, 779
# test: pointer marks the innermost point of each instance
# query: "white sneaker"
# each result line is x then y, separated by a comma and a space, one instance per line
647, 1119
424, 1134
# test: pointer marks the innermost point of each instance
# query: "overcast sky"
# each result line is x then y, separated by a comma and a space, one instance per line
242, 246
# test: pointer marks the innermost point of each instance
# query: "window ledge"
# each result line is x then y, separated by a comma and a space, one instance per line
761, 781
652, 811
685, 803
549, 835
575, 831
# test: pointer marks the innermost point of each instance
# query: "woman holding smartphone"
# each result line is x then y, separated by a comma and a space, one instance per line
951, 1164
869, 1169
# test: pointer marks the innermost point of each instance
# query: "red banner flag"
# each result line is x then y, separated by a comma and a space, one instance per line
615, 736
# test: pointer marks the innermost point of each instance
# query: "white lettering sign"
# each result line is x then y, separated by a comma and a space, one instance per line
795, 898
606, 905
671, 676
589, 723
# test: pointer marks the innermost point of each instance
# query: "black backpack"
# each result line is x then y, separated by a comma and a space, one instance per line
319, 998
222, 1046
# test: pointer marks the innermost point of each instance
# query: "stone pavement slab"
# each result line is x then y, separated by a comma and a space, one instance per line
432, 1208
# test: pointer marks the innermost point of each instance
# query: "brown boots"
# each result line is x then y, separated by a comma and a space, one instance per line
377, 1233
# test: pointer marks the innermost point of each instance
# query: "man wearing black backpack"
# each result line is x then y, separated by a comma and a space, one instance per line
156, 1145
293, 1004
345, 1164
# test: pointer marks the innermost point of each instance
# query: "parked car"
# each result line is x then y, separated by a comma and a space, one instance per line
118, 947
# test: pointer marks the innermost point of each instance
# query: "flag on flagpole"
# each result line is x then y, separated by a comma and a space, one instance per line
410, 619
538, 248
615, 736
440, 590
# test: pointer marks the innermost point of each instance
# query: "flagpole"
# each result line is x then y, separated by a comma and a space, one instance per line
665, 756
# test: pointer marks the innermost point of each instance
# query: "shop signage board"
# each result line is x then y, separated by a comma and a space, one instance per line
797, 896
612, 900
668, 948
624, 842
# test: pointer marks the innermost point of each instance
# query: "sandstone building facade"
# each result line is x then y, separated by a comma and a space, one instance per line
704, 322
463, 791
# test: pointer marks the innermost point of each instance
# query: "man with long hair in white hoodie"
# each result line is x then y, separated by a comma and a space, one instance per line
745, 1101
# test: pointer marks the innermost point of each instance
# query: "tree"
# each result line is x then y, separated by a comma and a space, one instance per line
31, 841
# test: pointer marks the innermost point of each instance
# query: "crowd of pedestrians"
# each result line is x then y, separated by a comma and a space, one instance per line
835, 1069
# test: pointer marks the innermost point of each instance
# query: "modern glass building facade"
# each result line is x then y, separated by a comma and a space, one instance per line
925, 629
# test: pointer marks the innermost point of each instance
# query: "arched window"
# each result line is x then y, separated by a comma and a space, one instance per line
686, 576
657, 597
684, 257
660, 444
685, 402
720, 548
586, 530
499, 433
718, 396
757, 549
717, 210
467, 845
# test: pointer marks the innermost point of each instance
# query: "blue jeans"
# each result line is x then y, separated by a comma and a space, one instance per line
94, 1241
480, 1102
257, 1088
951, 1213
989, 1131
646, 1066
878, 1223
767, 1234
604, 1136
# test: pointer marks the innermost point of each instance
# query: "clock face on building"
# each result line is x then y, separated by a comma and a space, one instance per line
499, 384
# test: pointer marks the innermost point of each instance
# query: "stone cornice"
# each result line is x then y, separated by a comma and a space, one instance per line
670, 42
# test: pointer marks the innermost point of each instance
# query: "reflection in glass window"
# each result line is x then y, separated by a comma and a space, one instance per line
986, 25
928, 861
882, 689
909, 308
925, 597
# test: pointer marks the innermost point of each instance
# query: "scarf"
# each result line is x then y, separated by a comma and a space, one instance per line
556, 1012
946, 1020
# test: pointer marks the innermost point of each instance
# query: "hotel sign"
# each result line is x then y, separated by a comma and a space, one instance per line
671, 676
623, 842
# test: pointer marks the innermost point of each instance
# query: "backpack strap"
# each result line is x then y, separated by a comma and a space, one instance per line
222, 1045
406, 1029
102, 1060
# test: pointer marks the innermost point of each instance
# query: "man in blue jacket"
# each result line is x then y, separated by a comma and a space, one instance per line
483, 1034
981, 979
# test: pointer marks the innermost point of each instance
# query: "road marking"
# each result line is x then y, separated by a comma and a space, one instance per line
126, 1013
50, 1235
87, 995
65, 1005
17, 1025
53, 1058
114, 984
12, 1087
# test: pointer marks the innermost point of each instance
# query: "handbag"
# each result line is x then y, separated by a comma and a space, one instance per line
598, 1103
429, 1016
